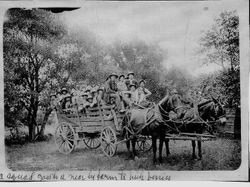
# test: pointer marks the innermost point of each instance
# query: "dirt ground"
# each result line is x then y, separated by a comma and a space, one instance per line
220, 154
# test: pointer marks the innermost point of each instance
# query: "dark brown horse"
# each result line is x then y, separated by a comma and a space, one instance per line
197, 120
155, 122
148, 122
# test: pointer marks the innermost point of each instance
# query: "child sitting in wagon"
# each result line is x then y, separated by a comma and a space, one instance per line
82, 102
92, 102
100, 96
67, 106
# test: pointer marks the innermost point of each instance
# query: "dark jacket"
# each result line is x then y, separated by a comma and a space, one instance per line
112, 85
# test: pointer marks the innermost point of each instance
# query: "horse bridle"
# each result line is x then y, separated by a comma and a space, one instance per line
166, 114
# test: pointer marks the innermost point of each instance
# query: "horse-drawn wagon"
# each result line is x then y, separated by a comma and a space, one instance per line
105, 127
96, 127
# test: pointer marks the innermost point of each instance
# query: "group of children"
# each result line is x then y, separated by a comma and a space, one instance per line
119, 90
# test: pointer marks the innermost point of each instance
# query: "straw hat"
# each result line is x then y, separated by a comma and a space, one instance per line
142, 81
113, 74
132, 85
122, 76
64, 90
130, 73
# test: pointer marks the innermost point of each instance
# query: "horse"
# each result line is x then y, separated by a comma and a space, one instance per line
148, 122
155, 122
196, 121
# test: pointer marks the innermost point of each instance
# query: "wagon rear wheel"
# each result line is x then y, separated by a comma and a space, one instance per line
65, 138
92, 141
108, 141
144, 144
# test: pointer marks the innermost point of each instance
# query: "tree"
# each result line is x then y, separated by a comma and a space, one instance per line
220, 44
29, 38
82, 56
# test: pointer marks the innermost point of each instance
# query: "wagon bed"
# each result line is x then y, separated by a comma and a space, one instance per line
93, 120
99, 126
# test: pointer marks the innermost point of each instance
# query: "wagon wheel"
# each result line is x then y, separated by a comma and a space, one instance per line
108, 141
144, 144
65, 138
92, 141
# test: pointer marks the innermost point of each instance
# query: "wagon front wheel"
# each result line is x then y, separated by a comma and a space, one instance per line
65, 138
108, 141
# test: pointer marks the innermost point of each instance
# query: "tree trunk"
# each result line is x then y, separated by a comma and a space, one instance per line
45, 119
237, 123
32, 130
32, 118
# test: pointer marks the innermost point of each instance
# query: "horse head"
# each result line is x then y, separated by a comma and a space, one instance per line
219, 110
164, 107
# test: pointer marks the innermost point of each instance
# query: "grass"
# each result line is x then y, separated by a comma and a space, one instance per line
221, 154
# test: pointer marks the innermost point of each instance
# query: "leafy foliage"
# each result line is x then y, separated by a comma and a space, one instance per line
28, 55
221, 42
221, 46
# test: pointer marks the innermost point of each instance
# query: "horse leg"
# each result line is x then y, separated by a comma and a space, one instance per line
133, 147
193, 145
154, 148
128, 145
199, 149
160, 149
167, 147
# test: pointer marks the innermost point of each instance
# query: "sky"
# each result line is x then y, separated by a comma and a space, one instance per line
175, 26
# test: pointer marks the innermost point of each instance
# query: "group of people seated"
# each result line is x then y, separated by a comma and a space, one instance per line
120, 90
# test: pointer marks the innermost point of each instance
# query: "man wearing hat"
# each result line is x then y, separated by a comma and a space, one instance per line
88, 89
121, 85
64, 93
93, 92
82, 102
67, 103
143, 93
134, 93
106, 95
58, 97
100, 96
74, 97
91, 102
112, 91
113, 82
131, 79
175, 101
53, 100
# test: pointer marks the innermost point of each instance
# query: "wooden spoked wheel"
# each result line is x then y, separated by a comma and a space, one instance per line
108, 141
65, 138
144, 144
92, 141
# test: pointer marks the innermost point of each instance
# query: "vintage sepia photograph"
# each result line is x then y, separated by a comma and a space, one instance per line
124, 86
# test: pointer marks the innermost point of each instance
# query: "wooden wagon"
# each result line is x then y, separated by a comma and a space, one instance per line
96, 127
